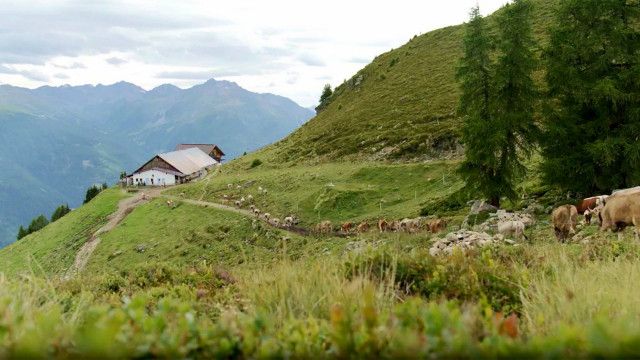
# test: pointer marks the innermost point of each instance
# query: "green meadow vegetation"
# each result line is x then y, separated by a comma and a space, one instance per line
183, 276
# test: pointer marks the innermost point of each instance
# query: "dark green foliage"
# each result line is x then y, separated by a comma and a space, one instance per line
497, 102
592, 120
91, 193
326, 93
464, 277
480, 169
37, 224
515, 93
105, 186
255, 163
21, 233
123, 174
60, 211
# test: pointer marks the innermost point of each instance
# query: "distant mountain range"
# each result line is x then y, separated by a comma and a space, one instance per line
56, 141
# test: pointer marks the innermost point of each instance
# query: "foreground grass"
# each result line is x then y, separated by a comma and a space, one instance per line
53, 249
338, 306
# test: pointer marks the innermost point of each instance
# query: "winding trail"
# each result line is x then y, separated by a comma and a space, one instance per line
125, 206
292, 229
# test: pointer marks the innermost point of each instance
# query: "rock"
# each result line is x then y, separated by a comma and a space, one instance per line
140, 248
479, 206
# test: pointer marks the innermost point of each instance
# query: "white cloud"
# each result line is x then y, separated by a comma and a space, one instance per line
284, 46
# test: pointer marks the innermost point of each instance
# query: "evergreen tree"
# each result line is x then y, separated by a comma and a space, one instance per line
592, 125
22, 233
105, 186
37, 224
326, 93
515, 94
480, 168
60, 211
92, 192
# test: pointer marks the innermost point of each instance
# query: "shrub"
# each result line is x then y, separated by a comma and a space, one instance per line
92, 192
255, 163
60, 211
465, 277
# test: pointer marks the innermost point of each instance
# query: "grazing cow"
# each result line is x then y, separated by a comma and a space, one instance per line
564, 219
250, 198
404, 224
587, 204
252, 207
238, 203
324, 227
275, 222
229, 186
346, 227
437, 225
267, 216
394, 225
513, 228
256, 212
363, 227
288, 221
629, 191
621, 211
587, 216
383, 225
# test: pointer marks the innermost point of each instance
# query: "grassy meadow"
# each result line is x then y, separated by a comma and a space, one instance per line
198, 281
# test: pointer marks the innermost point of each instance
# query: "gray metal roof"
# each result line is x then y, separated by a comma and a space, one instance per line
188, 161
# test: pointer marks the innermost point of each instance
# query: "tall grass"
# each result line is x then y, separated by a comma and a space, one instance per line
311, 288
577, 293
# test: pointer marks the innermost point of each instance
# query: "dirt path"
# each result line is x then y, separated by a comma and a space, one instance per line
292, 229
125, 206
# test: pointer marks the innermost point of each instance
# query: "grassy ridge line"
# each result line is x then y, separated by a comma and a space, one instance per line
400, 106
53, 249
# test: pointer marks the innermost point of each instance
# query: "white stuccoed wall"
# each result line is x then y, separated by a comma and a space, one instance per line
159, 178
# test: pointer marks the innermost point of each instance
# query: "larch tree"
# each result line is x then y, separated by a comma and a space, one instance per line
515, 94
592, 121
480, 168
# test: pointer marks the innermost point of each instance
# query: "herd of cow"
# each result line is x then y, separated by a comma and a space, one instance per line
612, 212
405, 225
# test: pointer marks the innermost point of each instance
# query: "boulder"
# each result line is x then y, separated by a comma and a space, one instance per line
479, 206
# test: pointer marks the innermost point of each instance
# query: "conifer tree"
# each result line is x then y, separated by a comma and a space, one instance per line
22, 233
92, 192
326, 93
60, 211
37, 224
515, 94
480, 168
592, 124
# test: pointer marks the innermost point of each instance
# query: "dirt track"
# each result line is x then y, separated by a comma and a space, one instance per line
125, 206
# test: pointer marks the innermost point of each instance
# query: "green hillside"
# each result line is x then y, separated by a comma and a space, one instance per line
402, 105
188, 274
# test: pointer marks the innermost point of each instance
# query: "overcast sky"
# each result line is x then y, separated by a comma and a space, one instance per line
285, 47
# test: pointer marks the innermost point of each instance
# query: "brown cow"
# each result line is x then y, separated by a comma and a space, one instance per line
394, 225
383, 225
564, 219
587, 204
346, 227
324, 227
437, 225
621, 211
363, 227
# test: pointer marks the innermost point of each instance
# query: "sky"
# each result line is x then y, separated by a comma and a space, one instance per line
286, 47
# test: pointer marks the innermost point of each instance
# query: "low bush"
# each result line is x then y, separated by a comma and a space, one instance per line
255, 163
464, 277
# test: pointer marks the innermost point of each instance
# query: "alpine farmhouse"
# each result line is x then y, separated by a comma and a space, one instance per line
186, 163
